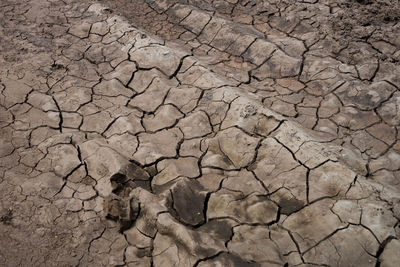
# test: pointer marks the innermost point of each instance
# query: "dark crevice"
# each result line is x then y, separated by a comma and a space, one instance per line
382, 248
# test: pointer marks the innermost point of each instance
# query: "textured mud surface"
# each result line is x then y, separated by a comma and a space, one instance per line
199, 133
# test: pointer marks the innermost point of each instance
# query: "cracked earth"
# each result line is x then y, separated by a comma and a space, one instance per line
200, 133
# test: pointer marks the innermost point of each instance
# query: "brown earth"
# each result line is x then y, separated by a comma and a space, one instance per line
199, 133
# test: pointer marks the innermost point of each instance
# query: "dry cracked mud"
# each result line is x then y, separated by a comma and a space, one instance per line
200, 133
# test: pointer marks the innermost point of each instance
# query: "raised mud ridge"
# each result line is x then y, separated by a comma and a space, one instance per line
197, 133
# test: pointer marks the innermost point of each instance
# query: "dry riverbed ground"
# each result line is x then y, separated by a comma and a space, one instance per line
199, 133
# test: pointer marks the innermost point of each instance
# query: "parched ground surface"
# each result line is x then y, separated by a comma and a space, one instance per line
199, 133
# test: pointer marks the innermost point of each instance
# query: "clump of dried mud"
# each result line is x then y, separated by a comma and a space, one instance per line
365, 19
365, 13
